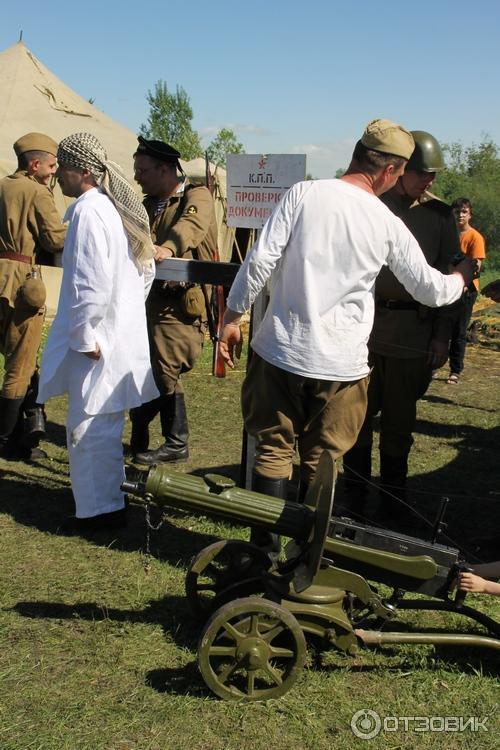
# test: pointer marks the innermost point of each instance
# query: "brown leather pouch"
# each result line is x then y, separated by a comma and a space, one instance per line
193, 302
32, 294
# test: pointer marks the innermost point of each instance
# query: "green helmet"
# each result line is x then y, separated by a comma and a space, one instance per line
427, 156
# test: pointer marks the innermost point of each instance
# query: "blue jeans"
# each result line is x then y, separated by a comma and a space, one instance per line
459, 335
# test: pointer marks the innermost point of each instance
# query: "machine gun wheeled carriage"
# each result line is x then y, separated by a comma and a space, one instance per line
257, 615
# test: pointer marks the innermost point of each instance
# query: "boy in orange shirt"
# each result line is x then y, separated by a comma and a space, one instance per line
472, 245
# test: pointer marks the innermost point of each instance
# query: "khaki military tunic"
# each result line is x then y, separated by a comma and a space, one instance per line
186, 226
29, 222
406, 333
400, 338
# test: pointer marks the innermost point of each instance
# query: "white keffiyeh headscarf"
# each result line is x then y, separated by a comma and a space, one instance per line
83, 151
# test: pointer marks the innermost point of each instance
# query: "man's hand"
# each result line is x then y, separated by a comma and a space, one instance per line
437, 354
492, 290
230, 343
466, 268
96, 354
162, 253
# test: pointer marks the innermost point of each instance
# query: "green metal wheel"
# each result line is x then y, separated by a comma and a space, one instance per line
251, 650
226, 570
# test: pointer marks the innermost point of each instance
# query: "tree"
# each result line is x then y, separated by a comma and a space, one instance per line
224, 143
169, 120
474, 172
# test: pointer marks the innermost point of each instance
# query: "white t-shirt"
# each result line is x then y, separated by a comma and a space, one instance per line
324, 246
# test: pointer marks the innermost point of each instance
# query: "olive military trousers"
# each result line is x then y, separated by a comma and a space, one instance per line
283, 411
175, 340
20, 336
395, 387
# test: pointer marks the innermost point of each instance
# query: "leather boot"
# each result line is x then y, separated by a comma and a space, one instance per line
10, 411
141, 417
393, 473
175, 430
34, 424
357, 474
268, 541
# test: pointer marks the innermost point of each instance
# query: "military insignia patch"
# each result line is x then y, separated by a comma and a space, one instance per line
192, 210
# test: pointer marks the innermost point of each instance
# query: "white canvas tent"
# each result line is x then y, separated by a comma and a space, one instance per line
32, 98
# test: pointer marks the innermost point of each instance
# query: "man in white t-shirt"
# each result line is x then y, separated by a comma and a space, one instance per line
323, 248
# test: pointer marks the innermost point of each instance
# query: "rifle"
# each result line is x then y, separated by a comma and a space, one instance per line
215, 306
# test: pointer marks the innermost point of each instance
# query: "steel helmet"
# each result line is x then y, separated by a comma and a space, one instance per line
427, 156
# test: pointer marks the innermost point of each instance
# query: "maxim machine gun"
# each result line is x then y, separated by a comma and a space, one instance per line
257, 614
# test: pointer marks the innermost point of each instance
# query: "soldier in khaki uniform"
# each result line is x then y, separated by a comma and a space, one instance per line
183, 225
408, 340
29, 223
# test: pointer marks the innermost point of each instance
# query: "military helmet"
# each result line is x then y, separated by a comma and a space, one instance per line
427, 156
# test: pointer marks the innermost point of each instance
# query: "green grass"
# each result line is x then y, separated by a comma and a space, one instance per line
98, 649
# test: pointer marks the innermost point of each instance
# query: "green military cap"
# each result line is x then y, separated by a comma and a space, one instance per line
389, 138
35, 142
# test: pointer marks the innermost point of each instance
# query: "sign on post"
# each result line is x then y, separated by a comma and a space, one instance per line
256, 184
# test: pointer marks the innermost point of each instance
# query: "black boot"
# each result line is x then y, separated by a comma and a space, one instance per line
393, 473
357, 474
141, 417
10, 410
268, 541
175, 430
34, 424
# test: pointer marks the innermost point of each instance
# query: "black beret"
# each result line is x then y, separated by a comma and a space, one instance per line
157, 149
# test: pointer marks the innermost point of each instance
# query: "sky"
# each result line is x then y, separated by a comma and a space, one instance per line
286, 76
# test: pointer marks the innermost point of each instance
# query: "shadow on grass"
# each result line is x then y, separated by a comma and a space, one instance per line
467, 660
470, 480
32, 503
182, 681
433, 399
55, 433
170, 612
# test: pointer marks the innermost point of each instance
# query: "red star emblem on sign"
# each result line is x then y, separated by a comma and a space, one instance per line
263, 162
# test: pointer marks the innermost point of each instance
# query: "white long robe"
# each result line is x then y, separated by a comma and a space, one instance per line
101, 304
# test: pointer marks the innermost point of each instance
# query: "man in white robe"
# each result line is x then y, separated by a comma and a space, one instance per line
97, 351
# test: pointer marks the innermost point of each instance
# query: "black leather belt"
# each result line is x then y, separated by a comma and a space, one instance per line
395, 304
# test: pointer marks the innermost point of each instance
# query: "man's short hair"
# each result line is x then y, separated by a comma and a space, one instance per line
24, 159
372, 161
461, 203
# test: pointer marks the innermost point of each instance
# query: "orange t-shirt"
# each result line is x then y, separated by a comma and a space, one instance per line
472, 245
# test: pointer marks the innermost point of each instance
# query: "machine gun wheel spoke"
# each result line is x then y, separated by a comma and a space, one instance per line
233, 566
251, 649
